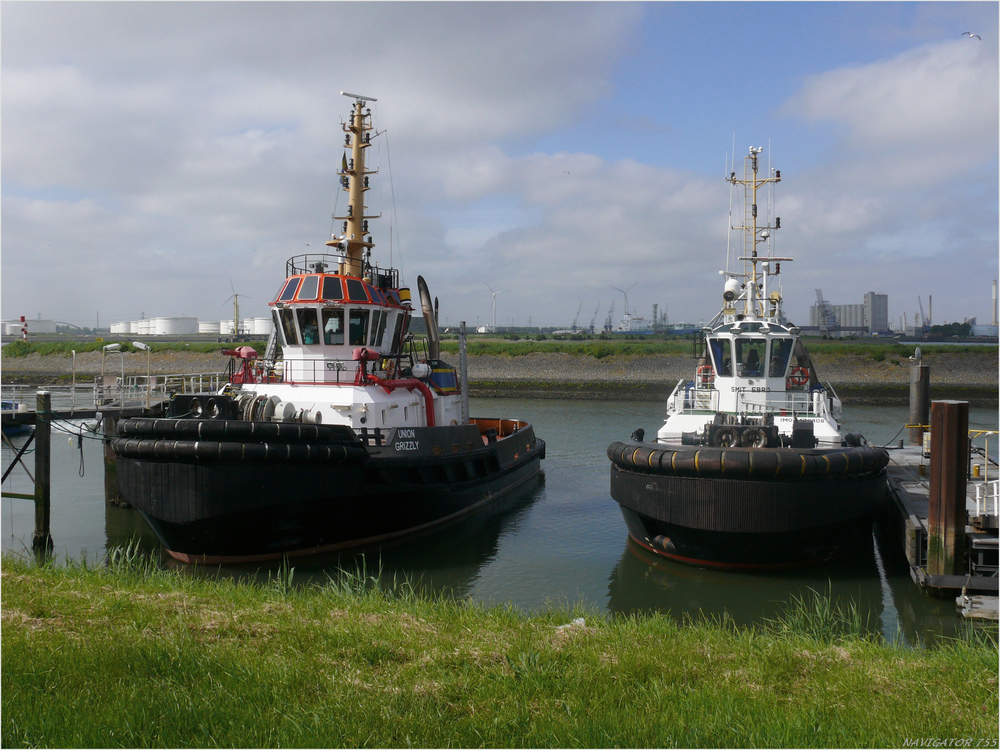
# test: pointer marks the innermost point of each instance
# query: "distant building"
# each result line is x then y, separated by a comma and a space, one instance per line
872, 316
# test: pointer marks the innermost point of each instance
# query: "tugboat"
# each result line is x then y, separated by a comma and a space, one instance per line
357, 435
750, 469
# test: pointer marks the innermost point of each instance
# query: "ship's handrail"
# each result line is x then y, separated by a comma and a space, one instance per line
134, 391
684, 400
790, 402
987, 497
334, 370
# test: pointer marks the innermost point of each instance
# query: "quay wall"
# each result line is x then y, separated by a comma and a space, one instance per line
857, 378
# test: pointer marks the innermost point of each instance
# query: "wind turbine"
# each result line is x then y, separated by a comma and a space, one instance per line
236, 308
495, 303
625, 294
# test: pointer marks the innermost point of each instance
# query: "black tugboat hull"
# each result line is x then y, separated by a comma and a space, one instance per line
741, 521
213, 510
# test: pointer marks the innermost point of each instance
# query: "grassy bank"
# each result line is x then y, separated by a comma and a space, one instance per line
127, 655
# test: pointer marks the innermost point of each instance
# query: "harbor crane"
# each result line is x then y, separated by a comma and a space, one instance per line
925, 320
827, 317
577, 318
593, 320
608, 325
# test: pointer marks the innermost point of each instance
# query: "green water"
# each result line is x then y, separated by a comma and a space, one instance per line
564, 543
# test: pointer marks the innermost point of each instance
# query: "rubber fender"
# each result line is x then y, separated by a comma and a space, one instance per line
237, 452
236, 430
641, 457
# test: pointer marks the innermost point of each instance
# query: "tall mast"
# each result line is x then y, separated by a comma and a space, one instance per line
354, 241
751, 234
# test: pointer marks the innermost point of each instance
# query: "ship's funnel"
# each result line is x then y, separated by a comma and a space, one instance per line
430, 319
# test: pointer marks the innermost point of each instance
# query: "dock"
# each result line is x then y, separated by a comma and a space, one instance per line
952, 551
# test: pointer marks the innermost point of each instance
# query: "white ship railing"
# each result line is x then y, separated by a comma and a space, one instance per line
988, 498
686, 398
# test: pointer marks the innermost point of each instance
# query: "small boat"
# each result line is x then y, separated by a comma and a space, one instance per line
358, 434
13, 412
750, 469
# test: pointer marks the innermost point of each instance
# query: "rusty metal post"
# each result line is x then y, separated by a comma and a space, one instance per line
41, 542
920, 399
947, 514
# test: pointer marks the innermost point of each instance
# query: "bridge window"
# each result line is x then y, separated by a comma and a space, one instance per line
378, 328
359, 326
288, 327
397, 333
332, 288
781, 350
309, 326
356, 291
289, 291
333, 326
722, 356
750, 355
310, 287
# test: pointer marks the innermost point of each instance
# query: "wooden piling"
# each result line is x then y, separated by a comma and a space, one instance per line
41, 541
947, 514
920, 399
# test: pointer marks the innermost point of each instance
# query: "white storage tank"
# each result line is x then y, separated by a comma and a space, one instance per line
175, 326
226, 327
260, 326
208, 326
38, 326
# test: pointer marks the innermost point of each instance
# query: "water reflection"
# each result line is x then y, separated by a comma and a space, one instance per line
874, 580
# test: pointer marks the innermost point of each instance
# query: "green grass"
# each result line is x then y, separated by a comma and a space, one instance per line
24, 348
128, 655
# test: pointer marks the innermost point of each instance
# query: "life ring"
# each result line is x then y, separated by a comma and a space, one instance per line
753, 437
705, 376
798, 376
726, 437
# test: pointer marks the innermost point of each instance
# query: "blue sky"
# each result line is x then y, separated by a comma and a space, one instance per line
152, 154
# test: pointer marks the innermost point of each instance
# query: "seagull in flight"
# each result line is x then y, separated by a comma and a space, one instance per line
971, 35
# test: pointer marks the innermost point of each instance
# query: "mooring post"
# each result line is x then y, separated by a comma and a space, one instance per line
947, 514
463, 371
109, 425
41, 542
920, 400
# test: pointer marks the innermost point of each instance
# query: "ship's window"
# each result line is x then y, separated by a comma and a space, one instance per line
289, 291
750, 355
378, 329
376, 295
359, 326
781, 350
333, 326
332, 288
277, 327
288, 327
356, 291
722, 356
397, 333
310, 287
309, 326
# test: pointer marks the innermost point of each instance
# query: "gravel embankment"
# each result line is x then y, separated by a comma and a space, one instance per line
973, 376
